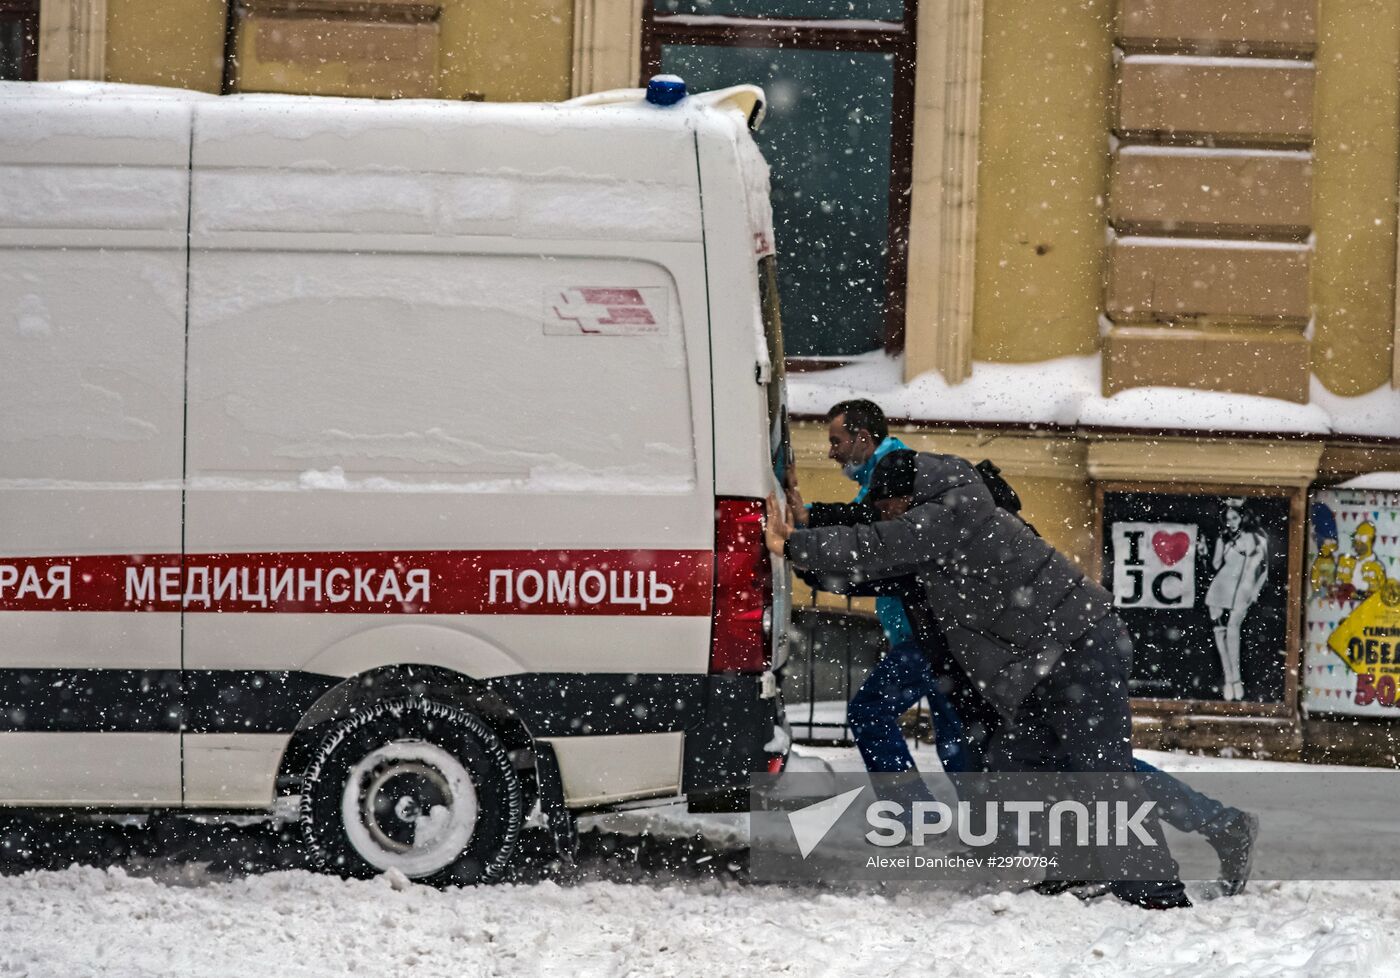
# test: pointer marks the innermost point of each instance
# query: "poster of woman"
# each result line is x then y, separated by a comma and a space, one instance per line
1240, 564
1201, 579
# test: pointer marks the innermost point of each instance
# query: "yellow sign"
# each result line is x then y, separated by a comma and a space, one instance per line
1368, 641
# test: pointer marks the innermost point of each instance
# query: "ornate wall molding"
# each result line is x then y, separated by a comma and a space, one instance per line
607, 45
1216, 462
943, 224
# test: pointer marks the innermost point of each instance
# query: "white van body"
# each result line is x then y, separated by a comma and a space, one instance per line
309, 402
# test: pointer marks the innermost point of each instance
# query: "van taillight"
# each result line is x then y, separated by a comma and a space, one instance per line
743, 588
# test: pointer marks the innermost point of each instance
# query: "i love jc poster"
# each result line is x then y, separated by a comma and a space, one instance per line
1154, 565
1201, 580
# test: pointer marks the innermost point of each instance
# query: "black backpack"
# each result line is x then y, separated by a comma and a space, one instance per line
1000, 489
1002, 494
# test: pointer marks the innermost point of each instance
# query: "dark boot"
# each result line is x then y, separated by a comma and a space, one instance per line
1086, 891
1174, 901
1056, 887
1152, 894
1231, 834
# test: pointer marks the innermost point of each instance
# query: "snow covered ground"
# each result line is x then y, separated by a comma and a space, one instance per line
292, 924
182, 918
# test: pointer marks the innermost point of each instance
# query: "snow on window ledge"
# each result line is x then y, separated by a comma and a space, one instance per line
1067, 392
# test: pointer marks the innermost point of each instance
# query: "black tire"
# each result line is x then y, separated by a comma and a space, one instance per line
414, 785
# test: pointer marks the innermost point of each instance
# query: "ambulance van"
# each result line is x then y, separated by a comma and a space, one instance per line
397, 466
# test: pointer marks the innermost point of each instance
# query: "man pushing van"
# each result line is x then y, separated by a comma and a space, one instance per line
1035, 636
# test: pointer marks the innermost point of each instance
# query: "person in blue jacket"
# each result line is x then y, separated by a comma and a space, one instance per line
859, 437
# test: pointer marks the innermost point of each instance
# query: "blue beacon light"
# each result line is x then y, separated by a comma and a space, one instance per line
665, 89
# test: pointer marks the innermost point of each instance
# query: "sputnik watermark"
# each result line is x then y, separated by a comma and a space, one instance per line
1015, 827
810, 825
1110, 823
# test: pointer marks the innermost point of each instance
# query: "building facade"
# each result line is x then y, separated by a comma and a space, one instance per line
518, 50
1139, 253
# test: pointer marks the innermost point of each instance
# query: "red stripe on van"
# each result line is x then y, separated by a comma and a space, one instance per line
433, 582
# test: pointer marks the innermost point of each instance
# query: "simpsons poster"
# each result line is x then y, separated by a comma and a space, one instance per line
1351, 634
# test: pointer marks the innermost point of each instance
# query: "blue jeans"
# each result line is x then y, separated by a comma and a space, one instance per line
1178, 804
901, 679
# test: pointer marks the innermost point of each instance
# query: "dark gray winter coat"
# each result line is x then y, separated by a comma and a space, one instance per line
1008, 602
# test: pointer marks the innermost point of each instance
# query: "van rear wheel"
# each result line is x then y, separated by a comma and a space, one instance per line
412, 785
